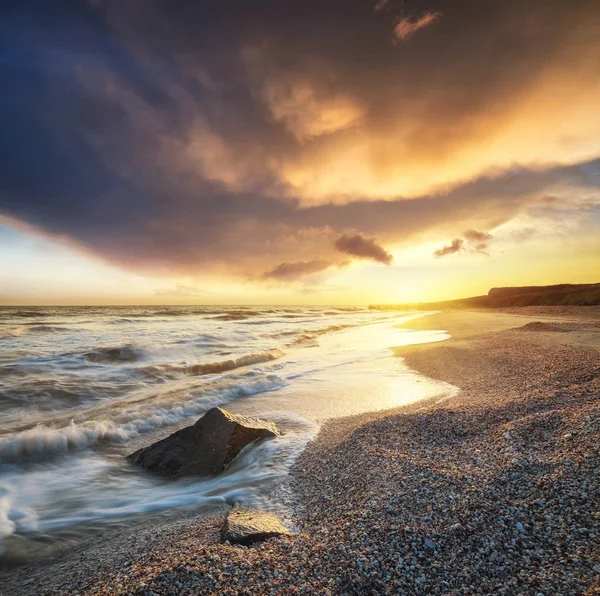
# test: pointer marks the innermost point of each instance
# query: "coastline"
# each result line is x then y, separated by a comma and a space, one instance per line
410, 500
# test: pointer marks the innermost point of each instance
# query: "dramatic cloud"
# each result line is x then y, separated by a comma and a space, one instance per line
407, 27
291, 271
363, 248
455, 246
232, 138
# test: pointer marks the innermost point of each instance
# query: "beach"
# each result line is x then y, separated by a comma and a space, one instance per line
493, 489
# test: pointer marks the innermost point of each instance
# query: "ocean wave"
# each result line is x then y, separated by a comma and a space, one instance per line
121, 354
47, 441
20, 330
24, 314
10, 332
209, 368
47, 329
305, 339
236, 315
122, 320
302, 335
205, 340
44, 440
8, 369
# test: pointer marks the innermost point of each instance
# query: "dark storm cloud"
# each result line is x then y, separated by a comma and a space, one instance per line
360, 247
239, 137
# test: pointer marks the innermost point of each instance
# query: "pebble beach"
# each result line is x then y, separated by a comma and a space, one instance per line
493, 490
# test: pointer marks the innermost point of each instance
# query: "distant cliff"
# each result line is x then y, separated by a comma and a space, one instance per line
558, 295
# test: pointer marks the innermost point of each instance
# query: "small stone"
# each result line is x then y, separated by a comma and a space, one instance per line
568, 437
597, 568
245, 526
508, 436
494, 556
429, 544
519, 527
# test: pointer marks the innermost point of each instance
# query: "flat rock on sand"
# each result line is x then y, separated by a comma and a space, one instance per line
206, 448
245, 526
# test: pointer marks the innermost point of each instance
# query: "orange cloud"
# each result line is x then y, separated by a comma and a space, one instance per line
307, 112
406, 28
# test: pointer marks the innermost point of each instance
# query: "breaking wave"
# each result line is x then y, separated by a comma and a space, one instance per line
174, 370
25, 329
125, 422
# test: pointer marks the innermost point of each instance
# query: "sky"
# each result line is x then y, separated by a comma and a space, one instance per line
298, 152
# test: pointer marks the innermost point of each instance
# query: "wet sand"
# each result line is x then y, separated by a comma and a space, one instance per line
494, 490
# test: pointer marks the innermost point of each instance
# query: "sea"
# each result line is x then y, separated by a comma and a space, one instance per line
82, 387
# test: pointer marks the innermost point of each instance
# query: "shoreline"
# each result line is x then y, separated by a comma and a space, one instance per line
377, 514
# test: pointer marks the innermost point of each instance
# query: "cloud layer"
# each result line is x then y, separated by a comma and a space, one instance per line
248, 139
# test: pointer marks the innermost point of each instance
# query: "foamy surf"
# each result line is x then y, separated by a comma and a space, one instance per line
25, 506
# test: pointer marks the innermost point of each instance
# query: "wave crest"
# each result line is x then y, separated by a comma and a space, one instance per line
210, 368
47, 441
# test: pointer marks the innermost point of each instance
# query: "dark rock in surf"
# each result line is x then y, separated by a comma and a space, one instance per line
204, 449
246, 526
